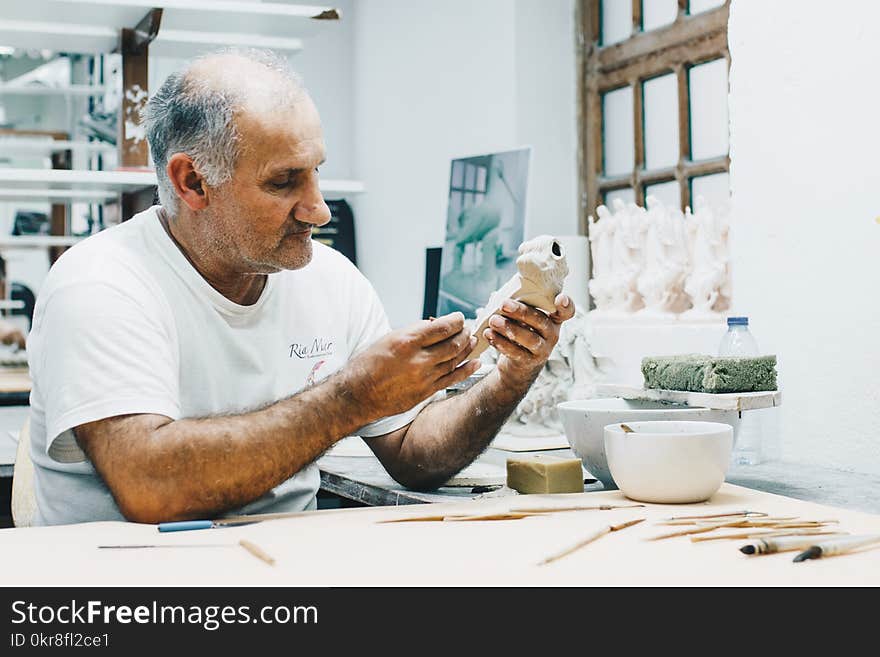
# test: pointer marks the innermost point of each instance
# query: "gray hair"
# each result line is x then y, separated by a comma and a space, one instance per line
192, 116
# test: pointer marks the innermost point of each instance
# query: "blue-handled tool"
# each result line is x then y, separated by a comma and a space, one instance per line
186, 525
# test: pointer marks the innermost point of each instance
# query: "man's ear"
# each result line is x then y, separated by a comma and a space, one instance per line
187, 181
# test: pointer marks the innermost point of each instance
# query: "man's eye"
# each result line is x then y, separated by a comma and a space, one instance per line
280, 185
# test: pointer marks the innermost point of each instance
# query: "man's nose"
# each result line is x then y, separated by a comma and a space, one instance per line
315, 213
311, 208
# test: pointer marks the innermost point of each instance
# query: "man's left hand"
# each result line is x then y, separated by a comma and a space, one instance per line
524, 337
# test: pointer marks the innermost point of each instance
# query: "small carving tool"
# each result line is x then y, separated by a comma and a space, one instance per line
554, 509
589, 539
503, 515
717, 515
169, 545
257, 551
187, 525
764, 534
512, 514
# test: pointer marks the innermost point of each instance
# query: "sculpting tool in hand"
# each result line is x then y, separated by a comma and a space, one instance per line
589, 539
837, 546
187, 525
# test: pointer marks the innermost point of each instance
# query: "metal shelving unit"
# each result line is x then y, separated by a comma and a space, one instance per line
188, 26
137, 29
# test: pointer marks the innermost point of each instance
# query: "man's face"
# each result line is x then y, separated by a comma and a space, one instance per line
263, 217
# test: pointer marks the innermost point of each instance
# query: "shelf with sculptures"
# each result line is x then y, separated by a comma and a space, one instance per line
660, 263
654, 264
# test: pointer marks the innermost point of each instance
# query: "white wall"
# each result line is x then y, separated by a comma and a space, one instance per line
437, 80
326, 65
806, 192
546, 112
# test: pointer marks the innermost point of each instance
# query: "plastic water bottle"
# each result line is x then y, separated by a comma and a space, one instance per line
739, 341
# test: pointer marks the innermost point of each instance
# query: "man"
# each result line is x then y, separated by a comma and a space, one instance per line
197, 359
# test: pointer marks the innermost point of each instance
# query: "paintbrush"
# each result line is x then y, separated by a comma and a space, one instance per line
781, 543
837, 546
589, 539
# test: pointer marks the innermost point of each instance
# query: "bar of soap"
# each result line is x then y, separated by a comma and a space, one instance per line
715, 374
542, 473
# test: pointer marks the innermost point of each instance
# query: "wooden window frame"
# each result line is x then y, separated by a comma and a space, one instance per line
689, 41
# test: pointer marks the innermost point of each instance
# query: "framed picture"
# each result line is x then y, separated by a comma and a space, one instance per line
484, 228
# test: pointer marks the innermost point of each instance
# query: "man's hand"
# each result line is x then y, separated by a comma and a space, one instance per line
410, 364
525, 336
448, 435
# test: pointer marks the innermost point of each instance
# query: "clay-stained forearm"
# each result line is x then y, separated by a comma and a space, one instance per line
449, 434
161, 470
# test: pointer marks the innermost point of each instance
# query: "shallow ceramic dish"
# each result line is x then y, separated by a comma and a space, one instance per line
584, 421
669, 462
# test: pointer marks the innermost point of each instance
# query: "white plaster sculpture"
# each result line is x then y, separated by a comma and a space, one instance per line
658, 262
661, 279
709, 266
601, 235
626, 258
542, 271
680, 255
570, 373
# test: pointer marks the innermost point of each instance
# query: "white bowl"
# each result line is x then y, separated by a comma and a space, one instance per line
669, 462
584, 421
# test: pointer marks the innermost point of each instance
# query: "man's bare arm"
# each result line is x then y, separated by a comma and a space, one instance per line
159, 469
448, 435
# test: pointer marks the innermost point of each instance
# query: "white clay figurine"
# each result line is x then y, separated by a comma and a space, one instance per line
542, 271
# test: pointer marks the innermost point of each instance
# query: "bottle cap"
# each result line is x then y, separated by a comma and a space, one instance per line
737, 321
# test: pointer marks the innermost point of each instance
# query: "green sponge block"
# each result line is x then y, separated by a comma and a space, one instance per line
702, 373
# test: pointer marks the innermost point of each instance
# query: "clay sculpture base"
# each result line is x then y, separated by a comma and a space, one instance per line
542, 271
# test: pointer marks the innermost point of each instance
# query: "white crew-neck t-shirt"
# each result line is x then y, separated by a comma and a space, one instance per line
124, 324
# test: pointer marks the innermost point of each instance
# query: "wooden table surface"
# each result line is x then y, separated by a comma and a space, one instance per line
348, 547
